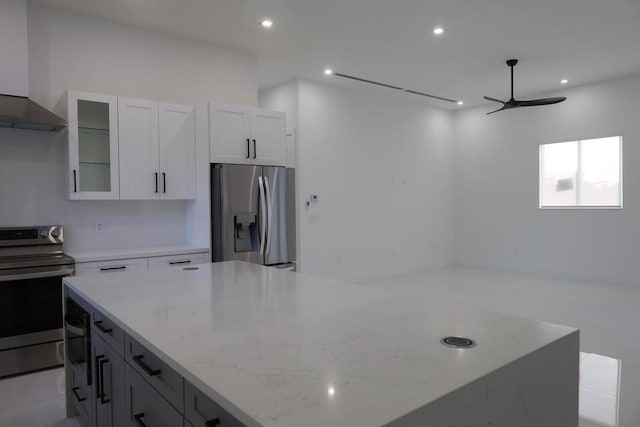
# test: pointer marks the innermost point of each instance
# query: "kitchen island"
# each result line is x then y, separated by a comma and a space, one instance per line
241, 344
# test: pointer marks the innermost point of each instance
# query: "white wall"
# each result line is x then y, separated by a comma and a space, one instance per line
498, 223
73, 51
382, 170
69, 51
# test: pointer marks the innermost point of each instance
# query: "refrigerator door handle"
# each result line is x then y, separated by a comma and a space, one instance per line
263, 215
269, 211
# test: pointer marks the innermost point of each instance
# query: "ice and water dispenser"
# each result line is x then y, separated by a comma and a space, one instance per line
246, 231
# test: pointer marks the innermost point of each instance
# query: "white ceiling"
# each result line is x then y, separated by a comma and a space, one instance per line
391, 40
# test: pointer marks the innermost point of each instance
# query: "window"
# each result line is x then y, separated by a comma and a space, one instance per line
581, 174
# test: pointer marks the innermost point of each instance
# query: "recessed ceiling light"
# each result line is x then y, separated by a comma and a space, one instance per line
267, 23
438, 31
564, 81
460, 102
328, 71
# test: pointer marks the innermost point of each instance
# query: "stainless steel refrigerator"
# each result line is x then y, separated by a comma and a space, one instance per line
253, 214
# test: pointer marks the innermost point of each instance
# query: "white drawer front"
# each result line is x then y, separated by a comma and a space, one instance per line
110, 267
178, 260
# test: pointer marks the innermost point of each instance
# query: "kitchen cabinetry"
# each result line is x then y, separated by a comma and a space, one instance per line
111, 266
93, 146
109, 394
157, 154
139, 150
245, 135
120, 264
177, 141
133, 149
131, 386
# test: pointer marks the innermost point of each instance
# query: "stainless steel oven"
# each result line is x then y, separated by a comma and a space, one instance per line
77, 333
32, 265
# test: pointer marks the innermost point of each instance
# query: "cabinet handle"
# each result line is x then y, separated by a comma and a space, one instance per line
186, 261
101, 393
98, 379
156, 181
75, 182
138, 419
101, 328
212, 423
255, 153
144, 367
248, 149
164, 182
75, 392
122, 267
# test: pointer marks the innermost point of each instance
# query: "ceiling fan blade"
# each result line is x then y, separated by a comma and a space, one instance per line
488, 98
499, 109
536, 102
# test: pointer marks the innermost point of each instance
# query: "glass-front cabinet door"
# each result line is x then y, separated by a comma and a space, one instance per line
93, 146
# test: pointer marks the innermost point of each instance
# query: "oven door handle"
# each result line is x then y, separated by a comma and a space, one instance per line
63, 271
74, 329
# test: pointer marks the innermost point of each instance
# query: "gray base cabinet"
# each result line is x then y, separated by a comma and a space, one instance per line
132, 387
109, 380
145, 406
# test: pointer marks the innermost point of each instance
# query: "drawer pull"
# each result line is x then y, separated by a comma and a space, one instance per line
187, 261
212, 423
144, 367
101, 392
122, 267
138, 419
75, 392
101, 328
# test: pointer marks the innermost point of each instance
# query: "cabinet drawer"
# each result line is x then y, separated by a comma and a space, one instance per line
145, 406
103, 327
103, 267
80, 393
178, 260
201, 411
164, 379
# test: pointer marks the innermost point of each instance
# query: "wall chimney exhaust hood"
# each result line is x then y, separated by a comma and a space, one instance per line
16, 109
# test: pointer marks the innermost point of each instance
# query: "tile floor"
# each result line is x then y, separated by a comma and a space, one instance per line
606, 314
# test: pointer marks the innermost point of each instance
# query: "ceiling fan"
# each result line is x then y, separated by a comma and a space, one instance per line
514, 103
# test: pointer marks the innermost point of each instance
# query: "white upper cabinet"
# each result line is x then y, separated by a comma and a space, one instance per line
244, 135
177, 151
93, 146
139, 149
124, 148
230, 134
268, 136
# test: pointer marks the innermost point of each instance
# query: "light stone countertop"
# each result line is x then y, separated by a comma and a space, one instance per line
114, 254
277, 348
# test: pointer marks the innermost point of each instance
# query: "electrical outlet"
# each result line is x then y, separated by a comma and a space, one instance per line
99, 227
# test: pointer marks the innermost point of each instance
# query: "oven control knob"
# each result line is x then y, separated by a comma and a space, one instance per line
55, 233
44, 233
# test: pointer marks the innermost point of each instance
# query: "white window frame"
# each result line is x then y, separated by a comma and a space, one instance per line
578, 181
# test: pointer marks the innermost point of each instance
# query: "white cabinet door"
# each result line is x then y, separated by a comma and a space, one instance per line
112, 266
230, 134
139, 152
177, 151
184, 260
93, 146
268, 137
